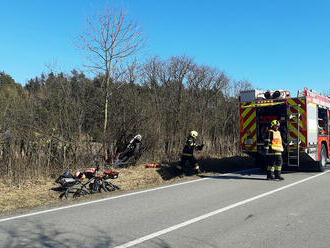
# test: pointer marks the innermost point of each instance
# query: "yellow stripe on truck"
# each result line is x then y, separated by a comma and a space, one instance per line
246, 111
301, 122
251, 118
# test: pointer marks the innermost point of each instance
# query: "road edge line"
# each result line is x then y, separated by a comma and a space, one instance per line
114, 197
218, 211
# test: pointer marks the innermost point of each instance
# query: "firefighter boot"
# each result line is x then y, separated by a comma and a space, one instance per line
179, 170
270, 175
278, 175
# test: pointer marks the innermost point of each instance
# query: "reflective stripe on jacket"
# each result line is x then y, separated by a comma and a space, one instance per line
276, 143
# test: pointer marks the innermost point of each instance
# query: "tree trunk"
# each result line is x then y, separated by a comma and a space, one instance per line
106, 103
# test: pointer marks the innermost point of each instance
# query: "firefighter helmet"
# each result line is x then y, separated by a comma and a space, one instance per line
275, 123
138, 137
193, 134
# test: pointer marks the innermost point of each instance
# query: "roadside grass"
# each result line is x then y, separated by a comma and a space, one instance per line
42, 193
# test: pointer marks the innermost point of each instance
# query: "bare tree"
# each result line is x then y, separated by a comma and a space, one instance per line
110, 37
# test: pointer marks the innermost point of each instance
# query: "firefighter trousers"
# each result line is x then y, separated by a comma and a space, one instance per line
274, 167
189, 167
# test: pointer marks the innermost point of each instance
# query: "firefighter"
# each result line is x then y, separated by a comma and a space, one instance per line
187, 154
274, 149
133, 149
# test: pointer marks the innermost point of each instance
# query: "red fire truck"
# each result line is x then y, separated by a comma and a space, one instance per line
304, 120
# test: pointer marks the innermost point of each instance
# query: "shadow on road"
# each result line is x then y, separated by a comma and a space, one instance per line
243, 177
37, 235
226, 165
45, 235
213, 165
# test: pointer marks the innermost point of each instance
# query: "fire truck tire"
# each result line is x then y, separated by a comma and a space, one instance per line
323, 159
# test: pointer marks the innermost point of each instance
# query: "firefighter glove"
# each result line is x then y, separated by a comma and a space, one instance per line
200, 147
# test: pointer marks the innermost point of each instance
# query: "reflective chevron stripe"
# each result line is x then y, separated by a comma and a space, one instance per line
293, 127
248, 127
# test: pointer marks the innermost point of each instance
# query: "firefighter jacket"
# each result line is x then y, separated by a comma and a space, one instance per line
273, 143
190, 146
133, 144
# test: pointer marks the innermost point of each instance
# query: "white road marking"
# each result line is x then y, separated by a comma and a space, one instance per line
218, 211
111, 198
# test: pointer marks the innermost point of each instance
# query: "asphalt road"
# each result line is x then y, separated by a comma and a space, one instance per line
232, 210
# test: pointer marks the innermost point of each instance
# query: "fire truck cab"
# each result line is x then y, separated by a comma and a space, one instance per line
304, 120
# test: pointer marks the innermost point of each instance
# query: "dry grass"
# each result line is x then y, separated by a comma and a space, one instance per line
37, 194
32, 194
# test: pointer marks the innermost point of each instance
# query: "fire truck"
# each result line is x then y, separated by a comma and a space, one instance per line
304, 125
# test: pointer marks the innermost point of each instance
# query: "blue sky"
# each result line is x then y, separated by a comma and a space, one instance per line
274, 44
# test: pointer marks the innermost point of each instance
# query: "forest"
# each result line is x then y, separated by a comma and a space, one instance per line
55, 121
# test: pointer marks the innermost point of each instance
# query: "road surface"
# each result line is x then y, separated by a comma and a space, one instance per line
231, 210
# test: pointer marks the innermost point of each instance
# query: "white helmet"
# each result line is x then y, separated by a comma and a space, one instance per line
138, 137
193, 134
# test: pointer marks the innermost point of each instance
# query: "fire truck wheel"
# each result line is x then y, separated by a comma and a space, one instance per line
323, 159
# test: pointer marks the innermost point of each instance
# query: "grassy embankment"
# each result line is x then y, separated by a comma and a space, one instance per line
41, 193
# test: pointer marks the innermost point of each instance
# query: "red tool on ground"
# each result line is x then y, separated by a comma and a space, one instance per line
151, 165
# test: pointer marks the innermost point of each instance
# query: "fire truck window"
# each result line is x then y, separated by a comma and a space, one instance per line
323, 121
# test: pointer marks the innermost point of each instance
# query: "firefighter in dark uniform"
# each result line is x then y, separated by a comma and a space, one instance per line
133, 148
274, 149
188, 154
